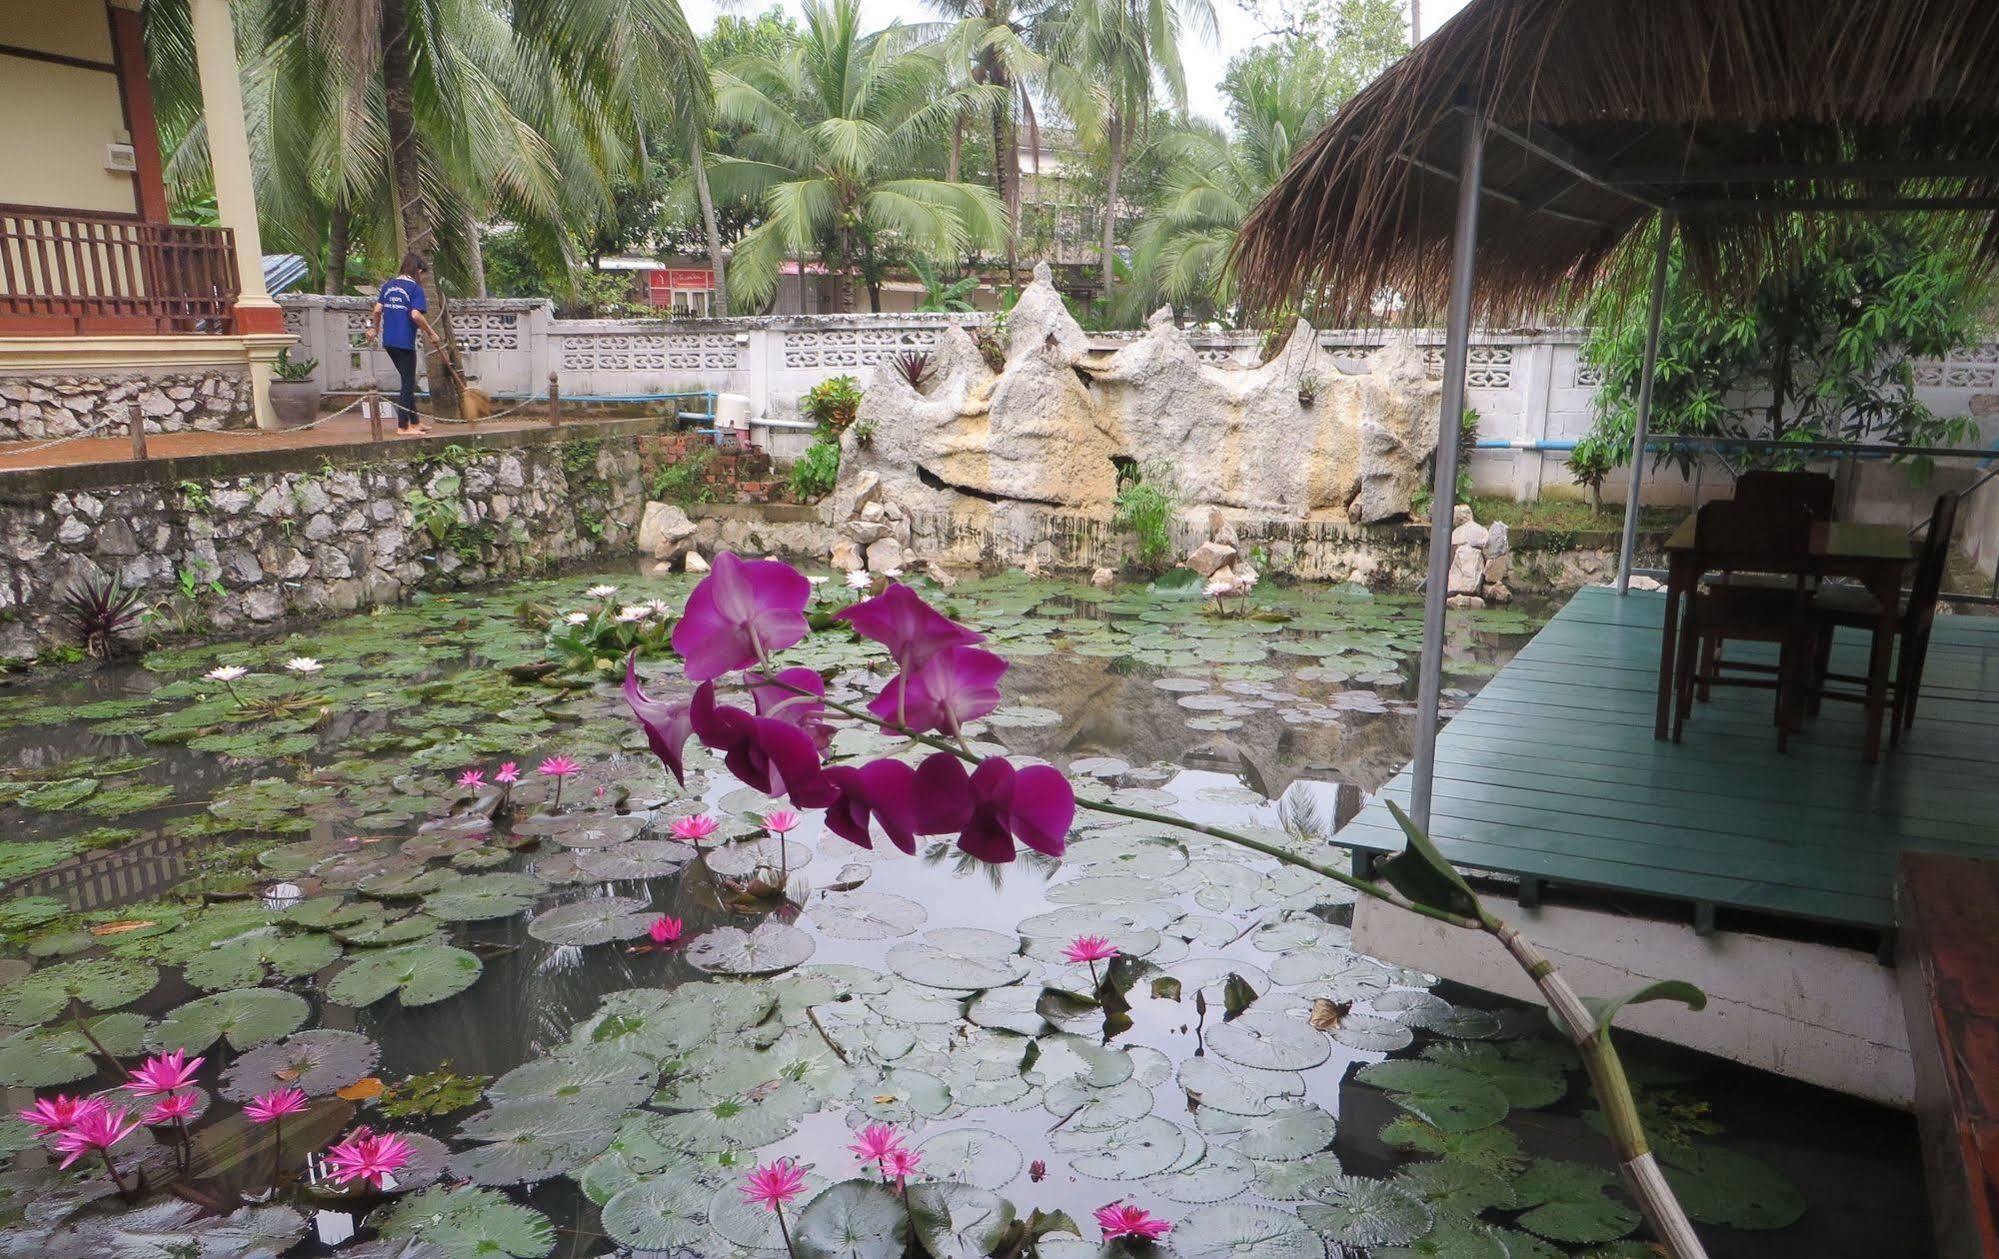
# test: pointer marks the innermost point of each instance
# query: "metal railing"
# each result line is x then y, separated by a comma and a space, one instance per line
70, 272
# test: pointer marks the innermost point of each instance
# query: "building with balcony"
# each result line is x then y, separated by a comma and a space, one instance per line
105, 302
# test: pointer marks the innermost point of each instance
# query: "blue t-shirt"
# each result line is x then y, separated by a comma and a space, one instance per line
399, 297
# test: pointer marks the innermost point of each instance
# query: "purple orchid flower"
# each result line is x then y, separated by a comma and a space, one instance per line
993, 806
667, 726
778, 698
955, 686
774, 757
741, 612
911, 629
883, 791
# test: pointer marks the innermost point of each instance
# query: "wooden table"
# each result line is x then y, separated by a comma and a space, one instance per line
1874, 555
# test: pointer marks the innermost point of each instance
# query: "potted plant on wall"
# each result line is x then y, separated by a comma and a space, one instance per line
294, 392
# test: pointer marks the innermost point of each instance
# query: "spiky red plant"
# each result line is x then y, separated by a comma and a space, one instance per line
102, 612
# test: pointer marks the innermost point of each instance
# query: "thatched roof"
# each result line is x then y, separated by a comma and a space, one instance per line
1603, 111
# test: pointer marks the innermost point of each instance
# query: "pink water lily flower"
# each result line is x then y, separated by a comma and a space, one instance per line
994, 806
874, 1141
900, 1164
667, 726
50, 1115
275, 1105
94, 1130
163, 1073
911, 629
1122, 1220
368, 1158
558, 767
774, 1184
700, 826
174, 1108
1090, 949
472, 778
782, 821
664, 930
742, 611
509, 774
956, 686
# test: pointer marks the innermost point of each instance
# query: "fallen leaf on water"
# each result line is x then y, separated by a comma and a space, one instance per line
362, 1090
120, 927
1326, 1015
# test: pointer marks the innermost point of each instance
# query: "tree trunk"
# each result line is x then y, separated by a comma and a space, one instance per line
843, 272
1110, 208
415, 226
333, 281
957, 150
1415, 22
719, 307
1006, 168
475, 255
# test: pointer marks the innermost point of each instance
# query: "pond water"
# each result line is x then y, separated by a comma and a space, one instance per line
280, 873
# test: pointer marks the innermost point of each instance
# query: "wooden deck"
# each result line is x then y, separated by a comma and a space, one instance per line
1551, 773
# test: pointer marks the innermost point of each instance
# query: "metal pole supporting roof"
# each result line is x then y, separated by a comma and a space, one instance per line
1667, 224
1443, 499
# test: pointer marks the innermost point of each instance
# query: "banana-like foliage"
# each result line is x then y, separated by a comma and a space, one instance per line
835, 122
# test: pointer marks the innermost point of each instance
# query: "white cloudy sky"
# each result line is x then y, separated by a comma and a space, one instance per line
1205, 63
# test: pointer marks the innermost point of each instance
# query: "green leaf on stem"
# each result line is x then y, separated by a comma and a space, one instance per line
1604, 1009
1420, 872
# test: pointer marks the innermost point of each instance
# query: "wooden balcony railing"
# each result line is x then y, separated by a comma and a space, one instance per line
65, 272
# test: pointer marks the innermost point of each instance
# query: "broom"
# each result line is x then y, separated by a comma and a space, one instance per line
473, 404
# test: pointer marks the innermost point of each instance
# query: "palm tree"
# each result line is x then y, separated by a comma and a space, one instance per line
1117, 55
1182, 251
835, 120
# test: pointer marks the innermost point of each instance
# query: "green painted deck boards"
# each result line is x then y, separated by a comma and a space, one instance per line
1551, 772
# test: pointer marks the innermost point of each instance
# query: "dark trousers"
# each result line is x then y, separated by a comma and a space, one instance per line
405, 361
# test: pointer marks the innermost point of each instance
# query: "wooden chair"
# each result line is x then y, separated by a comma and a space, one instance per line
1812, 491
1852, 607
1764, 538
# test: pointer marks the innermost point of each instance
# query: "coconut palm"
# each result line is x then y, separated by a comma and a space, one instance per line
834, 122
1181, 251
1118, 57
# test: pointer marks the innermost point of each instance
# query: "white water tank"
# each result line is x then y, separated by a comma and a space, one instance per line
732, 410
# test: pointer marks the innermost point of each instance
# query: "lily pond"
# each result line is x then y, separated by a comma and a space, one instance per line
282, 873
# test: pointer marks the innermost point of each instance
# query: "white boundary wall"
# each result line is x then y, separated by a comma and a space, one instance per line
1529, 387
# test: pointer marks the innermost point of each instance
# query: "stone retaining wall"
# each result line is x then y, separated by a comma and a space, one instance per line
291, 543
39, 406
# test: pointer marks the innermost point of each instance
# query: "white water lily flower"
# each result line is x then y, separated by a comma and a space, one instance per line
812, 579
303, 664
891, 573
226, 673
600, 592
659, 607
577, 618
633, 612
859, 579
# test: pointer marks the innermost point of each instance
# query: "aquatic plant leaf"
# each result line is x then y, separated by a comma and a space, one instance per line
598, 920
1270, 1041
1447, 1098
241, 963
749, 1225
772, 947
417, 974
1297, 1180
39, 1057
467, 1223
575, 1072
1420, 872
958, 1221
1528, 1082
855, 1219
971, 1156
528, 1157
1718, 1186
661, 1212
1569, 1203
318, 1061
99, 983
64, 794
1237, 1090
1453, 1187
24, 857
1495, 1148
867, 916
244, 1018
1221, 1175
637, 859
1605, 1008
963, 958
1130, 1150
741, 860
1432, 1013
1452, 1237
1243, 1229
478, 897
1290, 1132
1364, 1213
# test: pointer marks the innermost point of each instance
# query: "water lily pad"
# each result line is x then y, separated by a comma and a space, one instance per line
958, 1221
1235, 1090
598, 920
478, 897
1270, 1041
317, 1062
867, 916
1456, 1237
855, 1219
1454, 1187
1290, 1132
1221, 1175
972, 1156
639, 859
418, 974
1243, 1229
98, 983
1454, 1100
242, 962
1372, 1033
1433, 1013
467, 1223
1724, 1187
1127, 1151
24, 857
1364, 1213
525, 1157
660, 1212
1527, 1082
772, 947
1569, 1203
747, 1224
964, 958
39, 1057
740, 861
244, 1019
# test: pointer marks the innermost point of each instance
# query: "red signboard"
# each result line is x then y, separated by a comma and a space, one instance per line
662, 283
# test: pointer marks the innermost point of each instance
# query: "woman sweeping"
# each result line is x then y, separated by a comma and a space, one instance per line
398, 313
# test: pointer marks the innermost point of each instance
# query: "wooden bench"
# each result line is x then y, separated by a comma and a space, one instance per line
1948, 910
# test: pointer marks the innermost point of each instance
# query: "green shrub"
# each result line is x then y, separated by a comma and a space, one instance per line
813, 476
832, 403
681, 483
1145, 510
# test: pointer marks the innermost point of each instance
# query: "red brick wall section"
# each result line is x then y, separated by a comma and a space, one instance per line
731, 475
